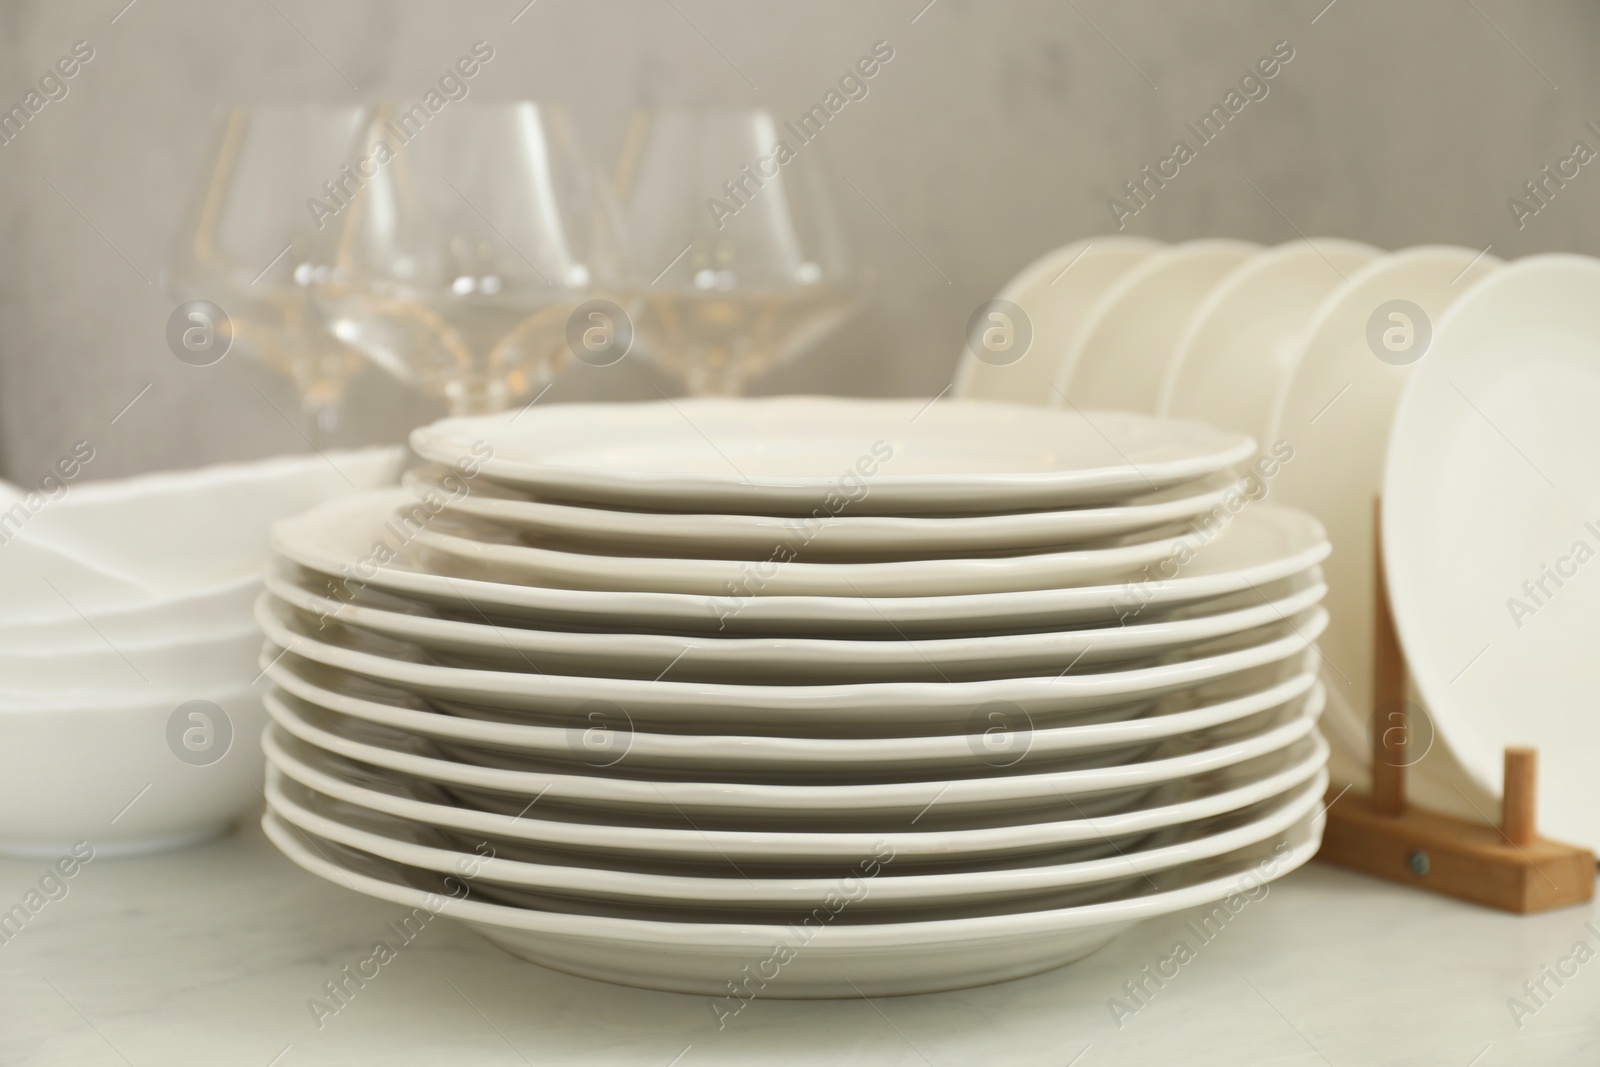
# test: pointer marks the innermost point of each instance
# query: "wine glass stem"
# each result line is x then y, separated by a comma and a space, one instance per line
466, 402
322, 422
714, 374
322, 403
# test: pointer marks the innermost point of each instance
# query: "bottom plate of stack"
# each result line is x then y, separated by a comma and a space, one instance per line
819, 952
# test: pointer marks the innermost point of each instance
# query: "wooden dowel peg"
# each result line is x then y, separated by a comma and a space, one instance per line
1518, 813
1391, 727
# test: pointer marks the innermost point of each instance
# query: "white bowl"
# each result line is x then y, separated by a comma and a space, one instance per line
217, 661
38, 578
78, 769
172, 618
176, 532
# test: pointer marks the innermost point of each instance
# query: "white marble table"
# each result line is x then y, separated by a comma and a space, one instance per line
209, 957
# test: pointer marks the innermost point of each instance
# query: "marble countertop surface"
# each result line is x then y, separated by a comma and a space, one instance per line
212, 956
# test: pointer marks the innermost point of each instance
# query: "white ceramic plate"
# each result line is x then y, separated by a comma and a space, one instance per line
659, 533
798, 455
773, 659
492, 554
415, 845
800, 807
928, 842
822, 960
1491, 527
892, 706
1334, 410
356, 540
1241, 343
1055, 292
1118, 358
996, 744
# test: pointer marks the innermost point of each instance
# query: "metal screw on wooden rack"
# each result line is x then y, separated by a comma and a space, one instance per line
1417, 863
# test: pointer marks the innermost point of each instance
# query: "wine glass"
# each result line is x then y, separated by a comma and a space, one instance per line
472, 237
735, 214
248, 243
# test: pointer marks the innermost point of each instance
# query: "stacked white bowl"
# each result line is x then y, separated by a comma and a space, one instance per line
128, 717
800, 697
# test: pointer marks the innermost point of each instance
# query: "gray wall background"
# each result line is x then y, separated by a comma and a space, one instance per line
998, 132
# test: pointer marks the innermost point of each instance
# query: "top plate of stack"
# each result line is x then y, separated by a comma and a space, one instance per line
792, 455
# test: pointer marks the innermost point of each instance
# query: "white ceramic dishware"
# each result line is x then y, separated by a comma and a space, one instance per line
176, 618
804, 806
1334, 411
105, 768
360, 542
1242, 340
1119, 356
499, 555
796, 455
1054, 294
992, 742
858, 537
1491, 523
38, 578
1053, 666
405, 842
218, 660
925, 842
794, 659
821, 960
927, 705
178, 531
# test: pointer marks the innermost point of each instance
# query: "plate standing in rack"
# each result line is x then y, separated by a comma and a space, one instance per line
1334, 410
1117, 359
1054, 293
1491, 528
1242, 341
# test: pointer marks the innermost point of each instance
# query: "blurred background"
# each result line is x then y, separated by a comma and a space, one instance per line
997, 132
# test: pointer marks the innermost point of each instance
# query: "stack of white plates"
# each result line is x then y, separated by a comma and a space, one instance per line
800, 697
127, 646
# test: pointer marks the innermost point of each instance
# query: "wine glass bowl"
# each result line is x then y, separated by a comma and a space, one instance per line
249, 243
458, 262
736, 214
